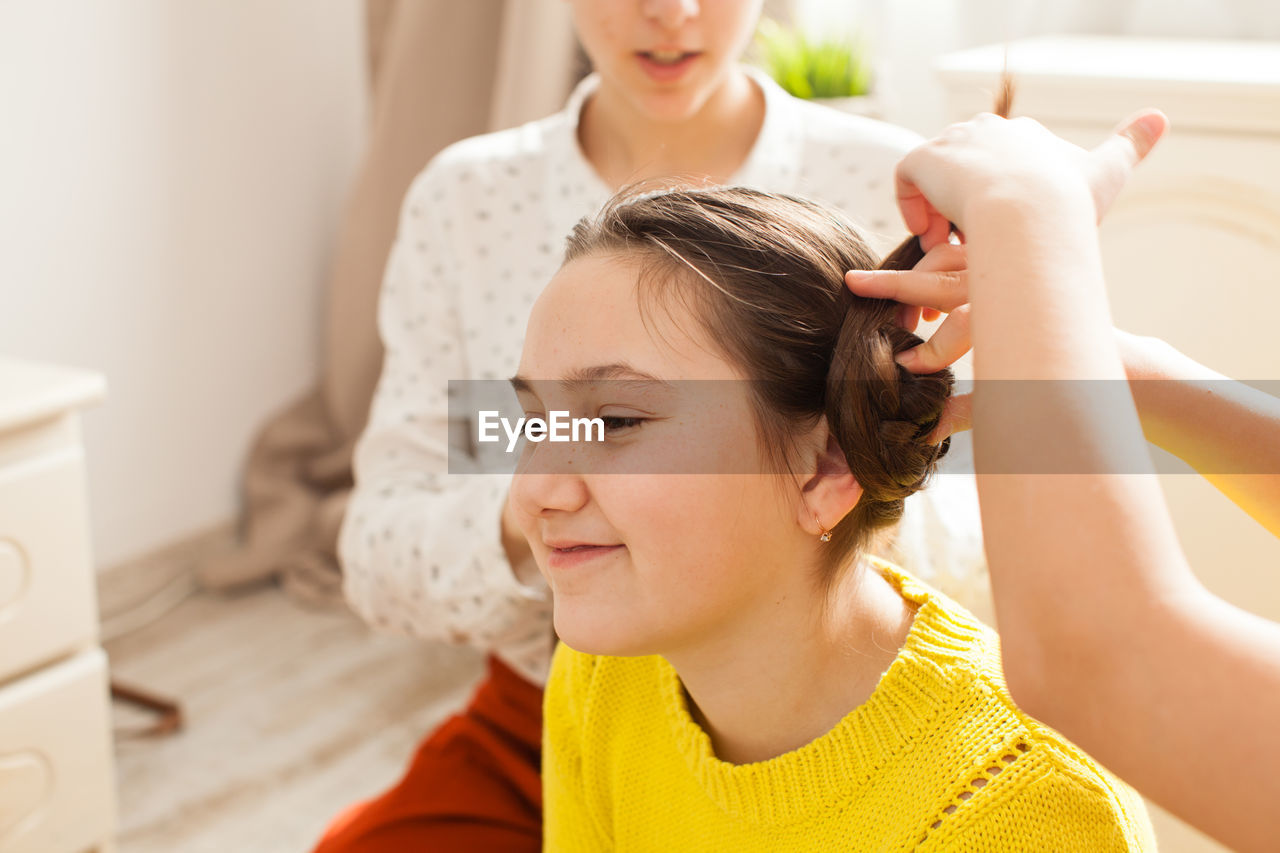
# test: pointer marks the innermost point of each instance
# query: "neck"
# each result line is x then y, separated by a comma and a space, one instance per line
626, 145
760, 699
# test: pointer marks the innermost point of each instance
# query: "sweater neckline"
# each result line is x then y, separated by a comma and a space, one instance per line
832, 768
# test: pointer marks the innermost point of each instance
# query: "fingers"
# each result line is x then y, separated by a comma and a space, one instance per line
937, 232
936, 284
944, 290
918, 213
909, 316
943, 257
945, 346
912, 203
957, 416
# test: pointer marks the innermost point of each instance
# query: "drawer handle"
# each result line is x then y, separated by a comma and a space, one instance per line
26, 785
15, 574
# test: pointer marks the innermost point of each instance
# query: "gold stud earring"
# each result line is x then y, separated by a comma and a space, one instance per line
825, 536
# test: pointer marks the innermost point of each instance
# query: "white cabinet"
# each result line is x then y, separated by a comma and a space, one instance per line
1192, 247
56, 785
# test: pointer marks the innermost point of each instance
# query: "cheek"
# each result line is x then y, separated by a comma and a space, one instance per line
598, 31
688, 532
714, 435
667, 521
521, 501
716, 559
701, 550
525, 521
733, 22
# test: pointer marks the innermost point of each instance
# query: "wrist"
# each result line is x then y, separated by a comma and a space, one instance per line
1040, 204
1038, 297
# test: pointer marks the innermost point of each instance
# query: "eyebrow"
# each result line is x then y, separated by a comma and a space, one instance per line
597, 373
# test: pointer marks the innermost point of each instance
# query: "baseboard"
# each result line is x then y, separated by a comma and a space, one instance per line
129, 584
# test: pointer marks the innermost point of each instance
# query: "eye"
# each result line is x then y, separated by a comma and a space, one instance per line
618, 423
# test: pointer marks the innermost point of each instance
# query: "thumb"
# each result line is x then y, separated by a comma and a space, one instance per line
1125, 148
1139, 133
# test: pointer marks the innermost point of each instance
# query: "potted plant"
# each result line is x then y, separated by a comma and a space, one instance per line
832, 71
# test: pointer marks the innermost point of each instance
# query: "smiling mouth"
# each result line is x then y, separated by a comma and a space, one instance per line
579, 556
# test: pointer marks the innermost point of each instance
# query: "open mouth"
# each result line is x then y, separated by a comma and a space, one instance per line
667, 66
668, 57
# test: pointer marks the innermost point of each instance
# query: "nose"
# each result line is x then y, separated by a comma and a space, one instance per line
546, 482
670, 14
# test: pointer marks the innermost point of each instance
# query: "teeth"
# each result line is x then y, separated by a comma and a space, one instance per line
666, 57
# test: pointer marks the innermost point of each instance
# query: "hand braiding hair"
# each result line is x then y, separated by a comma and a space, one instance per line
910, 252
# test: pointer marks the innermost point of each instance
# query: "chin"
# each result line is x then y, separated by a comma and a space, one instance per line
595, 631
673, 105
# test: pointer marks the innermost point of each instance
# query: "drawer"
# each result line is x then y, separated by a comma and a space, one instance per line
47, 597
56, 776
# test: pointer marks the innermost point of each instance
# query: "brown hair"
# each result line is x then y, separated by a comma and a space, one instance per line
764, 275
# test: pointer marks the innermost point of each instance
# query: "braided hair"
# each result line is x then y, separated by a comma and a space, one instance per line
764, 275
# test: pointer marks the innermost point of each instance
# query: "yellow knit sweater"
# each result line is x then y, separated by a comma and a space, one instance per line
938, 758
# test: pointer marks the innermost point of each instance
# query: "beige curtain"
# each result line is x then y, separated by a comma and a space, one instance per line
439, 71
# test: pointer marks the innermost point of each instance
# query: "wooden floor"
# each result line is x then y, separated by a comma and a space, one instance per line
291, 714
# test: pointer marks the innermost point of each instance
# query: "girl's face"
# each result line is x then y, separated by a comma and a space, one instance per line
665, 57
673, 528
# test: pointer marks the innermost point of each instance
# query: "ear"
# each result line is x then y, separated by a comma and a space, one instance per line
829, 490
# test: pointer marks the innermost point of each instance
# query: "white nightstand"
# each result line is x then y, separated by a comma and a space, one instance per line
56, 778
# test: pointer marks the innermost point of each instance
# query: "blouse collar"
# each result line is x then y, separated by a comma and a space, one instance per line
773, 162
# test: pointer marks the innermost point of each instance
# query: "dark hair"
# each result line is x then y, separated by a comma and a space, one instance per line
764, 275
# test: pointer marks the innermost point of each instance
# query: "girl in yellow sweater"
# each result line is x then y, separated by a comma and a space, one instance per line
736, 672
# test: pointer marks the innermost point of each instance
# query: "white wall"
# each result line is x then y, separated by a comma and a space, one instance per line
171, 173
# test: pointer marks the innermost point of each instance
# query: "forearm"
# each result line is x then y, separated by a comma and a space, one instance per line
1225, 430
1106, 634
1184, 706
1058, 449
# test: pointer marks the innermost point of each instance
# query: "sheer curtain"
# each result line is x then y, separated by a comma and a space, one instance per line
439, 71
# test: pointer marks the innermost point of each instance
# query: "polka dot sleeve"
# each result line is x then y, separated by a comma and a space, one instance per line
421, 548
